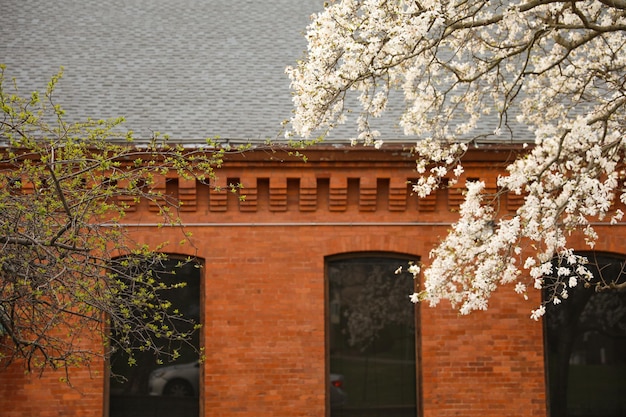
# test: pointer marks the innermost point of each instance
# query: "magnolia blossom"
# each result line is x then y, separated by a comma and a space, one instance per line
556, 68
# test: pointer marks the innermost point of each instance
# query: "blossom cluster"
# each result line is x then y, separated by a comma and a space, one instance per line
555, 67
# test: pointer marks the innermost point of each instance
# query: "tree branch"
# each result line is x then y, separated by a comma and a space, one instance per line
616, 4
32, 242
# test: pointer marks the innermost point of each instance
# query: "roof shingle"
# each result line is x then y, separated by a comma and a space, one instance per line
191, 69
188, 68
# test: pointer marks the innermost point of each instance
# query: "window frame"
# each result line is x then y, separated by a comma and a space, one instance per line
403, 260
201, 336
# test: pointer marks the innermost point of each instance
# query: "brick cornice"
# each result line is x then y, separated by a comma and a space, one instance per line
360, 183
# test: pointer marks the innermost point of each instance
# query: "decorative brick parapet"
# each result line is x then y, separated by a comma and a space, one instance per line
308, 194
398, 194
456, 196
338, 193
218, 198
331, 181
250, 191
187, 194
514, 201
128, 202
158, 187
428, 203
278, 194
368, 194
335, 194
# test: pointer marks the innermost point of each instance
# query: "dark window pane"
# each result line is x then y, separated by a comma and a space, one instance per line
372, 338
586, 346
170, 389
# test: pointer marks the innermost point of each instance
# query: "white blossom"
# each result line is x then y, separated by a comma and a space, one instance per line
538, 313
555, 68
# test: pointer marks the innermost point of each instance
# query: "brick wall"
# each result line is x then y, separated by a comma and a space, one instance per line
25, 394
264, 286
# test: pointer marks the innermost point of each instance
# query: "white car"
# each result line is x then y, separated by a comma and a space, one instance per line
182, 381
175, 380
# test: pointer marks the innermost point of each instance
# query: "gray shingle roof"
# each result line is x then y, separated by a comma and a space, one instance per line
189, 68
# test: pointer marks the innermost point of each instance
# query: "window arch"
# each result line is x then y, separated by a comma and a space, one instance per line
585, 343
149, 387
371, 336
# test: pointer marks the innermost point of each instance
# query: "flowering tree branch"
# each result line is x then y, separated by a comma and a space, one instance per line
555, 68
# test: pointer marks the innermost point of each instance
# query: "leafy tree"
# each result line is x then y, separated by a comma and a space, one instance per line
556, 68
66, 268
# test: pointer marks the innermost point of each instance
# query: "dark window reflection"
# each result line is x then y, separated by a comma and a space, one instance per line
372, 338
586, 346
170, 389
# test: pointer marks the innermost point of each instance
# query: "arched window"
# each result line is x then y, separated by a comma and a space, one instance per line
151, 386
371, 337
585, 343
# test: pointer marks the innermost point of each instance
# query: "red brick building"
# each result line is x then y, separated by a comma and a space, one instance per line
265, 292
296, 292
